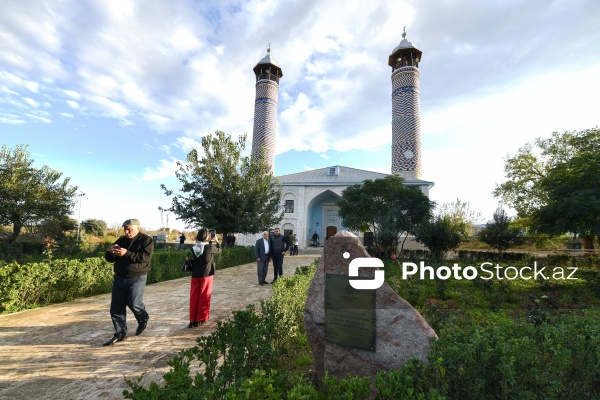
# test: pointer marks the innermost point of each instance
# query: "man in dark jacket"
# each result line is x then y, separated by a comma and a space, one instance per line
278, 245
131, 256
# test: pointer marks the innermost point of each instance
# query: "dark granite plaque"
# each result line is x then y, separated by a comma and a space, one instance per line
349, 313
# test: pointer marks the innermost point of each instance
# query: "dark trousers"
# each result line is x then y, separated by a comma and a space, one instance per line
262, 267
277, 264
127, 292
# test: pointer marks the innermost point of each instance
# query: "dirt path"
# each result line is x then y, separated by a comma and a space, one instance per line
56, 352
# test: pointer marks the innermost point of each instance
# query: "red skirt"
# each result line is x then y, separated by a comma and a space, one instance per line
200, 294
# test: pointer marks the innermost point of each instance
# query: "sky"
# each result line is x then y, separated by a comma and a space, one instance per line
112, 93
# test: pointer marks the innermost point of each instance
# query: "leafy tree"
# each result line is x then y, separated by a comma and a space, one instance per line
225, 191
30, 195
385, 207
439, 234
96, 227
524, 171
460, 216
573, 204
56, 228
530, 188
500, 234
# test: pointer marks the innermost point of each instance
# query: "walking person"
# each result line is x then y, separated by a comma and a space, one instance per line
315, 239
130, 256
202, 277
278, 245
261, 253
182, 242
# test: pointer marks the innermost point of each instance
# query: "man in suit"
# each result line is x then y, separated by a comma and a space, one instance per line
261, 252
279, 245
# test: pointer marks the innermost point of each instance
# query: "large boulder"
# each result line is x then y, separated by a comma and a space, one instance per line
401, 333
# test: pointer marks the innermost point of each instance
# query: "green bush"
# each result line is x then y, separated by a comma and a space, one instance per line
34, 284
556, 360
238, 359
45, 280
484, 354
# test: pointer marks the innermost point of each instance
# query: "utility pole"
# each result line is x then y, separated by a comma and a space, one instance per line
80, 194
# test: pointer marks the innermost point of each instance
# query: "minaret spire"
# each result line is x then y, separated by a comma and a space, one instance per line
267, 72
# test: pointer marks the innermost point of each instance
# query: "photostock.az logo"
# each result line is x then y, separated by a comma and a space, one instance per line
365, 262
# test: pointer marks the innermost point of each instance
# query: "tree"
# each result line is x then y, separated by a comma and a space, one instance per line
529, 186
55, 228
385, 207
28, 195
500, 234
96, 227
460, 216
573, 203
524, 171
225, 191
439, 234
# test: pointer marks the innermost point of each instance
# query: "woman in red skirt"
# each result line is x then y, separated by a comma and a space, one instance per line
202, 277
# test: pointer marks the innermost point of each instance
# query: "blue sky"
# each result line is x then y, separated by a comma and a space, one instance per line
113, 93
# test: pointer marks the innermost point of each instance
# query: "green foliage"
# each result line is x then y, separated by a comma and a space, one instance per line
96, 227
556, 360
500, 234
415, 382
573, 189
52, 280
553, 183
225, 191
34, 284
56, 228
439, 235
385, 207
28, 195
480, 353
239, 358
349, 388
460, 216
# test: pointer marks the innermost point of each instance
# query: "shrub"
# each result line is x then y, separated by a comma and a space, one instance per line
238, 353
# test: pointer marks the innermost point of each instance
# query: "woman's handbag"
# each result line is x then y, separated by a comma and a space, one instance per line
187, 265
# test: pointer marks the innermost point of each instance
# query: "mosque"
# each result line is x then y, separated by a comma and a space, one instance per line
310, 198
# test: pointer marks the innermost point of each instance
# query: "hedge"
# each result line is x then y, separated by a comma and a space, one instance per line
56, 280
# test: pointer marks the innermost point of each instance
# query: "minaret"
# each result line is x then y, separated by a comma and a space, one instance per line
406, 121
267, 73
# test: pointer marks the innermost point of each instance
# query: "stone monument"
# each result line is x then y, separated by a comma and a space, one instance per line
379, 330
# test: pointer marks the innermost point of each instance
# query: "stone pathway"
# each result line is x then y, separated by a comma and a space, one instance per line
56, 352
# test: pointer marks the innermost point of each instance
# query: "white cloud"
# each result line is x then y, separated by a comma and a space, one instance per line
165, 169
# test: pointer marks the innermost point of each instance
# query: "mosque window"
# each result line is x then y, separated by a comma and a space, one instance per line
289, 206
333, 171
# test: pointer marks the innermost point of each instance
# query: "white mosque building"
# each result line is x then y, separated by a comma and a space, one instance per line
310, 198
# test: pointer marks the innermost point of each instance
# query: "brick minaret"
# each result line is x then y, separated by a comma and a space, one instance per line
406, 121
267, 73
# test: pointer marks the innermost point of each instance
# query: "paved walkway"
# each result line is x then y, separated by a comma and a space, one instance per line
56, 352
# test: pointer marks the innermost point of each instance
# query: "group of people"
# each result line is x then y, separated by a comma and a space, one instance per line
270, 248
131, 255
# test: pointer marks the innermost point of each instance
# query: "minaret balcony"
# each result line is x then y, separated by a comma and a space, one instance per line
269, 76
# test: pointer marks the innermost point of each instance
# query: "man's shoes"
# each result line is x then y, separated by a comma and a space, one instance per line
261, 283
141, 326
116, 338
274, 280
